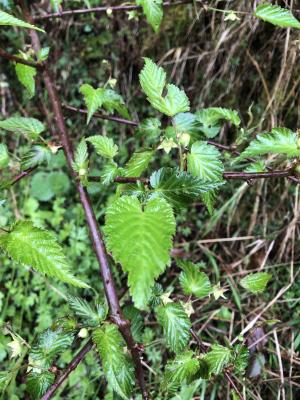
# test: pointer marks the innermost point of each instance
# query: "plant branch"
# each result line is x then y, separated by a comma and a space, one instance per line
96, 237
71, 367
226, 374
22, 175
20, 60
226, 175
104, 9
101, 116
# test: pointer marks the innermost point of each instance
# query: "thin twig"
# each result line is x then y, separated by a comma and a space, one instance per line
104, 9
71, 367
20, 60
246, 176
101, 116
22, 175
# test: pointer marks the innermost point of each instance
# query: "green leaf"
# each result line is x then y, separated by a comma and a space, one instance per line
136, 321
87, 312
276, 15
258, 166
116, 365
4, 156
37, 248
114, 102
149, 128
26, 76
51, 343
108, 173
204, 162
211, 116
58, 182
194, 281
93, 98
186, 123
179, 187
217, 358
36, 156
30, 127
109, 99
240, 358
176, 101
176, 325
153, 10
152, 80
5, 378
80, 163
43, 54
256, 283
7, 19
38, 384
104, 146
279, 141
184, 367
138, 163
40, 188
140, 239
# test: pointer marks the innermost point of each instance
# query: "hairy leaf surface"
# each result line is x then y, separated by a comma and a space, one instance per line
204, 162
26, 76
183, 367
104, 146
7, 19
217, 358
179, 187
37, 248
140, 238
256, 283
176, 325
193, 281
38, 384
93, 99
277, 15
279, 141
116, 365
153, 11
138, 163
30, 127
212, 115
152, 80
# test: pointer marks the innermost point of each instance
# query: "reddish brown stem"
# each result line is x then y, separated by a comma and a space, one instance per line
20, 60
101, 116
22, 175
98, 10
108, 281
64, 375
226, 175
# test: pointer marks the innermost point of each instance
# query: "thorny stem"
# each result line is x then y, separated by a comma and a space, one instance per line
104, 9
108, 281
20, 60
101, 116
64, 375
246, 176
